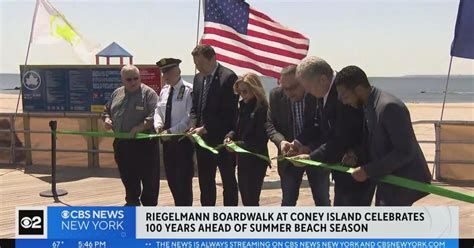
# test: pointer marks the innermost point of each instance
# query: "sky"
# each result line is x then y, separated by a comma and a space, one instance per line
383, 37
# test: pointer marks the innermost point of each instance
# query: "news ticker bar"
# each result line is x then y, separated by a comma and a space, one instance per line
239, 243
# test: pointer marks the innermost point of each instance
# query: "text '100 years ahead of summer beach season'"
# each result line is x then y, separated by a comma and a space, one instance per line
270, 222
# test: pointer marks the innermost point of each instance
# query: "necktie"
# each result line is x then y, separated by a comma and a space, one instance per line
297, 118
205, 92
366, 134
319, 111
169, 104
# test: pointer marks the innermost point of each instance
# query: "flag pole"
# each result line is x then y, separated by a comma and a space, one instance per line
446, 90
198, 23
13, 156
197, 29
436, 165
27, 55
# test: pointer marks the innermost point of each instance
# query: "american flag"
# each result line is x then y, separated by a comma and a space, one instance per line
248, 38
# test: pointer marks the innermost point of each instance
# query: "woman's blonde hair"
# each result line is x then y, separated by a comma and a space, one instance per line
253, 81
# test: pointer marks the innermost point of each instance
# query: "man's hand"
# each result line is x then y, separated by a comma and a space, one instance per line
165, 138
227, 141
285, 147
359, 174
296, 144
159, 130
304, 150
135, 130
298, 157
349, 159
108, 124
294, 149
187, 134
198, 130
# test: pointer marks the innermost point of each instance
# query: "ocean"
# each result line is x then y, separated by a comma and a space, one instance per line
413, 89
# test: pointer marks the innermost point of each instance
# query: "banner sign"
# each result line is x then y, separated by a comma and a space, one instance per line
81, 88
237, 227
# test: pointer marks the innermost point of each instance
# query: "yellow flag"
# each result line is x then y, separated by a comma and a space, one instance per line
50, 27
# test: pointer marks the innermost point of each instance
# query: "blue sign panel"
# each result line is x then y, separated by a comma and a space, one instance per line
75, 88
80, 87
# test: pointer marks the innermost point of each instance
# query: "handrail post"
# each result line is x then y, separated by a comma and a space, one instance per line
437, 163
90, 141
12, 141
27, 136
95, 142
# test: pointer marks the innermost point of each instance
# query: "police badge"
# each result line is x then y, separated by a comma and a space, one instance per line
181, 93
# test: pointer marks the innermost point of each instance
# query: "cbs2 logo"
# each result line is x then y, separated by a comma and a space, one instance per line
27, 222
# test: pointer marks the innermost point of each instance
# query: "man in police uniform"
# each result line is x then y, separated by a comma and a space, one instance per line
172, 117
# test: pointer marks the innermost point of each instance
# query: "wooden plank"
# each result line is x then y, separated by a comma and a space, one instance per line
102, 188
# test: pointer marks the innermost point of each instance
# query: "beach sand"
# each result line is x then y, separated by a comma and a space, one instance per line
8, 103
418, 111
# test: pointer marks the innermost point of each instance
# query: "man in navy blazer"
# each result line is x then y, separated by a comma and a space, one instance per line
389, 139
212, 115
336, 130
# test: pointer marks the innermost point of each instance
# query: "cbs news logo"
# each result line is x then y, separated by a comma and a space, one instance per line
31, 222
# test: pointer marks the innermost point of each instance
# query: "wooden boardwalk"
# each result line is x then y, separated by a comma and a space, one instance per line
102, 187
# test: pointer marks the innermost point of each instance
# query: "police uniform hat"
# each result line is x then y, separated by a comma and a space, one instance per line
165, 64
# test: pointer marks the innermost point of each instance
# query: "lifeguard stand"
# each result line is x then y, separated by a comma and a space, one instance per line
113, 51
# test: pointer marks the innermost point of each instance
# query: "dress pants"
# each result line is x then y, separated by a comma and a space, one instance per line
138, 164
348, 192
207, 166
178, 159
291, 177
251, 172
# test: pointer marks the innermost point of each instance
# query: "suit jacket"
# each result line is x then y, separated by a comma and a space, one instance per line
335, 129
221, 106
249, 132
279, 125
393, 148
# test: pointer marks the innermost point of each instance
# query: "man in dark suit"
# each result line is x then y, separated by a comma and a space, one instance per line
389, 138
290, 106
335, 131
213, 113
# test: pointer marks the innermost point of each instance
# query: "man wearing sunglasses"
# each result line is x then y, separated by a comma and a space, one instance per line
130, 109
290, 107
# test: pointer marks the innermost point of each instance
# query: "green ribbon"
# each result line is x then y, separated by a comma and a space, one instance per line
203, 144
239, 149
118, 135
395, 180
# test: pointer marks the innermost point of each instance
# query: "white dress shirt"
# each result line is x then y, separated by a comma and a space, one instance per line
181, 107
